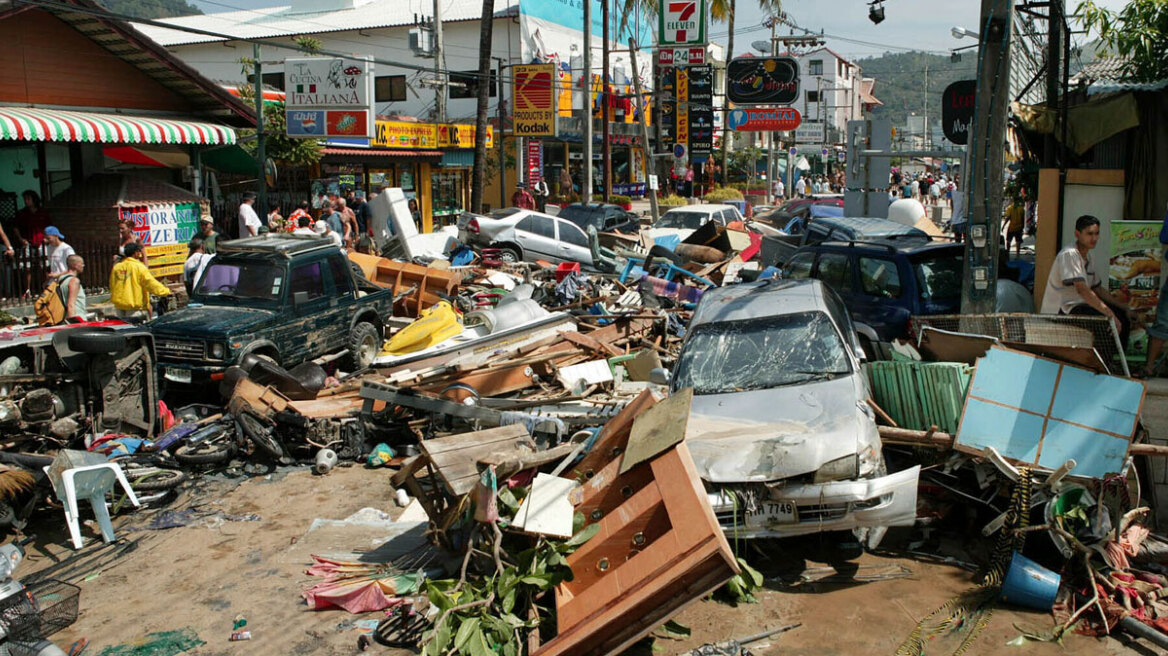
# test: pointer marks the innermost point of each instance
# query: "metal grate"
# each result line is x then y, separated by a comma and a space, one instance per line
1038, 329
178, 349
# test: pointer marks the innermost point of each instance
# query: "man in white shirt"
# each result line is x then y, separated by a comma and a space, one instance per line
323, 230
801, 187
777, 190
249, 221
1073, 286
197, 261
58, 251
304, 227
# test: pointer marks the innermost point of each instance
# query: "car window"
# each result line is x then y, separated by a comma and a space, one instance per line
939, 277
681, 219
307, 278
735, 356
538, 225
833, 270
817, 233
799, 266
342, 279
880, 277
235, 279
572, 234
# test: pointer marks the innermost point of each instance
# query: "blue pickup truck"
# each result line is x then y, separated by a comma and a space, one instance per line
885, 282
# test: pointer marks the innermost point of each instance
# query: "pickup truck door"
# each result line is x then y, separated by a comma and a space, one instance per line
537, 235
573, 243
305, 336
881, 298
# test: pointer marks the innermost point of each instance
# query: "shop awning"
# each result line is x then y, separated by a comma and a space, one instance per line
25, 124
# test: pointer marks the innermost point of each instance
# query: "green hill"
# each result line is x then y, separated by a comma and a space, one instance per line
150, 8
900, 81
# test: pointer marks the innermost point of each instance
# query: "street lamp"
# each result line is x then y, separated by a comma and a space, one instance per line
959, 32
876, 11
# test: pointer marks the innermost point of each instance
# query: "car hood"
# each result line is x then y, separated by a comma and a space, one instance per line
772, 434
209, 320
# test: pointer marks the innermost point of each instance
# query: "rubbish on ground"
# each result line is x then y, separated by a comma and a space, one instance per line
238, 636
737, 646
547, 510
326, 459
162, 643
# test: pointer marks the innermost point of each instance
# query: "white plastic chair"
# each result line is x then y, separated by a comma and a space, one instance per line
90, 483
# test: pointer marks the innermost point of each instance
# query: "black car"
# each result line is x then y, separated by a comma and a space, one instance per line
605, 218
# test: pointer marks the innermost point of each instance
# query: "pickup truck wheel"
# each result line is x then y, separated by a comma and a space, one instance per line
509, 255
96, 342
364, 344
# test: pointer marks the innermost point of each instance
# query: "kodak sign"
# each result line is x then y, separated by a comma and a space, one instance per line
534, 93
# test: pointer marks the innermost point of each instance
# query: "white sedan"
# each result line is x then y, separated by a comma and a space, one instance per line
528, 235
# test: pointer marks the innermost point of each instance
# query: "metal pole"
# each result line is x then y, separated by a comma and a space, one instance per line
502, 142
772, 161
440, 65
987, 139
925, 137
261, 138
822, 119
586, 174
1050, 154
652, 193
605, 117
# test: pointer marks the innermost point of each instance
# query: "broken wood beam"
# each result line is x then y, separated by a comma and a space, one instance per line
939, 440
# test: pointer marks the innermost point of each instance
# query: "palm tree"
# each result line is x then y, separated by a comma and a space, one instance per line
723, 12
478, 173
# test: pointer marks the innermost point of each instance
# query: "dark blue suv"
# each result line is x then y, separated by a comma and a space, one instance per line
885, 282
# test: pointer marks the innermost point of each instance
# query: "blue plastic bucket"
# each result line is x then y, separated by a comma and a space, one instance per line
1029, 584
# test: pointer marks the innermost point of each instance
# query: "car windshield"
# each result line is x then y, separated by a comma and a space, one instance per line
735, 356
939, 277
685, 220
581, 216
240, 279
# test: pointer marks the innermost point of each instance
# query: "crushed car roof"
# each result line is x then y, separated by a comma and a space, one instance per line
760, 299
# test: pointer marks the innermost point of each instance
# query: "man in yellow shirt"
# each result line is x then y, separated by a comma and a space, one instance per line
1015, 219
131, 286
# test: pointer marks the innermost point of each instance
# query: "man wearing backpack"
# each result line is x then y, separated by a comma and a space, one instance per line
131, 285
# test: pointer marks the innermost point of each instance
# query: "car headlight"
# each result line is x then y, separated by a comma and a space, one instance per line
846, 468
218, 351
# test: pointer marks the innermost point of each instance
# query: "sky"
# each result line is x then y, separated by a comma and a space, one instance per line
908, 24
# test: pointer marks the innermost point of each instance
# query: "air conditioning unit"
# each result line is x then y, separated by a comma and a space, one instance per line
422, 41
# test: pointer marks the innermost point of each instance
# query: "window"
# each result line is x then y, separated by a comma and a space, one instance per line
817, 234
815, 67
799, 266
540, 226
879, 277
306, 278
812, 96
389, 88
274, 80
572, 235
465, 84
834, 271
939, 277
342, 279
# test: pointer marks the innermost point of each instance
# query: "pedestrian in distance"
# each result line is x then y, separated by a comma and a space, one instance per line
294, 218
522, 199
1015, 215
334, 219
304, 227
275, 218
323, 229
249, 221
209, 236
197, 260
132, 284
57, 252
71, 289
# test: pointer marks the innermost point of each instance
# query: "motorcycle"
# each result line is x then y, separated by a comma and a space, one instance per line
28, 615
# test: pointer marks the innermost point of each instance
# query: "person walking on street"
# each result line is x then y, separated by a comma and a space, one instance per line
208, 234
275, 218
565, 183
304, 226
70, 287
689, 180
1015, 215
777, 191
1073, 286
131, 286
197, 260
249, 221
323, 229
294, 218
522, 199
801, 187
541, 192
57, 251
126, 235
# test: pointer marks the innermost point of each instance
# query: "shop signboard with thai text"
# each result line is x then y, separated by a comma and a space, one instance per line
752, 119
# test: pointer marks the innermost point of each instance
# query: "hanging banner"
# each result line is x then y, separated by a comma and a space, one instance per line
682, 137
779, 119
533, 91
1134, 274
164, 230
957, 106
534, 161
701, 111
667, 109
681, 22
763, 80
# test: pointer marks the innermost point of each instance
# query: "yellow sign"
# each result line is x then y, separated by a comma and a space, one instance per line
682, 107
172, 258
169, 270
534, 95
461, 135
402, 134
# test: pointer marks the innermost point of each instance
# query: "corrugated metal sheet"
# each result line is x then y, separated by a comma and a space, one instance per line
918, 395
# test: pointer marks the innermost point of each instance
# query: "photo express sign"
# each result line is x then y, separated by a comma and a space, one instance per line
681, 22
534, 93
328, 97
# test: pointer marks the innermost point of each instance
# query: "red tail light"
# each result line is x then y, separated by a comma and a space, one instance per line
473, 226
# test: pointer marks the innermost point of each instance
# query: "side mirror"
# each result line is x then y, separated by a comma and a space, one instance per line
299, 298
861, 355
659, 376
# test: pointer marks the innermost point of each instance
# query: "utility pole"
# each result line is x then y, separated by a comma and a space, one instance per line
261, 137
586, 173
502, 142
606, 147
772, 162
925, 141
987, 142
645, 149
822, 119
1050, 149
439, 65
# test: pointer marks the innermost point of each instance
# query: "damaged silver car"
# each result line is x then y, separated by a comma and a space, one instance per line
779, 426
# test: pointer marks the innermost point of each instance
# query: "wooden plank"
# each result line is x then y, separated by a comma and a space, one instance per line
336, 406
589, 342
613, 438
657, 428
455, 458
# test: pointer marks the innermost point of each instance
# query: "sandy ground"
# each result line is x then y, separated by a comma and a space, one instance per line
202, 576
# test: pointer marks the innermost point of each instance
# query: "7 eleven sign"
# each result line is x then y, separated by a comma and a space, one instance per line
681, 22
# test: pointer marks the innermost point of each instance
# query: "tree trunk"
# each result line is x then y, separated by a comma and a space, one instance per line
478, 174
726, 96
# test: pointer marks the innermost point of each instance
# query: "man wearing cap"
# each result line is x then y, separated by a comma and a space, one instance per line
324, 230
522, 199
249, 221
58, 252
208, 234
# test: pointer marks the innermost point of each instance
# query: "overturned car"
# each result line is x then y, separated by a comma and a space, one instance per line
779, 427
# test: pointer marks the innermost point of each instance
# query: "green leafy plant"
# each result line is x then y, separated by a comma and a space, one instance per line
1138, 32
618, 199
723, 194
672, 200
742, 587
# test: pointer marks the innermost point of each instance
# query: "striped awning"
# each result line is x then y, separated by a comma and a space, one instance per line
25, 124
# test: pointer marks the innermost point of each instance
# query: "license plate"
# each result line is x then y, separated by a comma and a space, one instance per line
773, 512
177, 375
